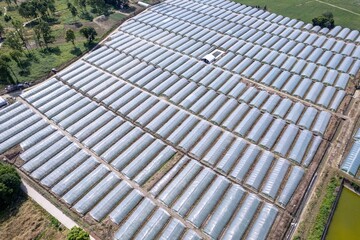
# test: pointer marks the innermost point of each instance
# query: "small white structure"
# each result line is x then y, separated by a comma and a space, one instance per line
3, 102
143, 4
213, 56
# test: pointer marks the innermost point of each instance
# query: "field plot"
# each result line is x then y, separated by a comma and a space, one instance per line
346, 13
142, 135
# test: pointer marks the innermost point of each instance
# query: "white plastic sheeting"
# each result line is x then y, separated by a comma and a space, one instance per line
263, 223
222, 212
272, 184
294, 179
242, 218
166, 92
351, 163
260, 170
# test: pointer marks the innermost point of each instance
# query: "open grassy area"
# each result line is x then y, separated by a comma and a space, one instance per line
27, 220
305, 10
39, 62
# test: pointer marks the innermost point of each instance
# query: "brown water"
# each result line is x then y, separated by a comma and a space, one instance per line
345, 224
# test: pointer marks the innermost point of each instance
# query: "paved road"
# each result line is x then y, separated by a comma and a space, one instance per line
48, 206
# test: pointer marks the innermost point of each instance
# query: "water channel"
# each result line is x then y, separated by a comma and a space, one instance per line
345, 224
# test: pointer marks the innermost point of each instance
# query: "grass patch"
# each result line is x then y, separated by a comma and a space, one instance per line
306, 10
24, 219
116, 16
42, 61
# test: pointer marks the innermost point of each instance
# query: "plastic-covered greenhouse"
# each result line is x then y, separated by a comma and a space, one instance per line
142, 133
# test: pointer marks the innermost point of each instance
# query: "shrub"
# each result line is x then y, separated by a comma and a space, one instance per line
9, 184
77, 233
55, 223
7, 18
70, 36
325, 20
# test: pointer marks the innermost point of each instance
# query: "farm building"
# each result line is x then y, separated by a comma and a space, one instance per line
142, 134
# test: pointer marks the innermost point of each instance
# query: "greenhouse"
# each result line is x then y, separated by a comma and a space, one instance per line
143, 135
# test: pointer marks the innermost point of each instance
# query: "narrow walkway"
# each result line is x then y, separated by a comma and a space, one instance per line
48, 206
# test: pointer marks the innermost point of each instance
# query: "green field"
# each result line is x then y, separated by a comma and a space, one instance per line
346, 13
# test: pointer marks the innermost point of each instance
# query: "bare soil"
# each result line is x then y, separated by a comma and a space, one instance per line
159, 174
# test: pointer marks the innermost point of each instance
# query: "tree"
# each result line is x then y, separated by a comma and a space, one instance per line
82, 4
51, 6
70, 36
43, 31
5, 71
325, 20
35, 8
118, 3
19, 29
16, 56
28, 9
13, 41
8, 2
328, 15
7, 18
37, 37
74, 11
99, 6
2, 31
89, 33
9, 180
77, 233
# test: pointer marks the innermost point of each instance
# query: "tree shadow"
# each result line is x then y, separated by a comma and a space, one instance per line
25, 63
32, 24
11, 8
52, 20
90, 45
24, 66
51, 50
78, 24
76, 51
24, 72
32, 57
86, 16
6, 79
129, 9
13, 208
